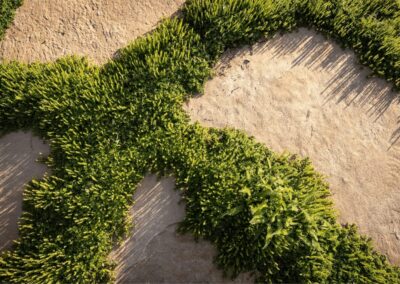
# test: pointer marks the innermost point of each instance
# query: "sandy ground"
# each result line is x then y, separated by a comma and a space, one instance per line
44, 30
18, 154
155, 253
301, 93
297, 92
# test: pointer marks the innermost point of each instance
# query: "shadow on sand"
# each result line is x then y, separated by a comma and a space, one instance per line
376, 95
155, 252
18, 154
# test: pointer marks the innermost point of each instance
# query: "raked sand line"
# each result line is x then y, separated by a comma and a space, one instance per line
302, 93
155, 253
19, 152
44, 30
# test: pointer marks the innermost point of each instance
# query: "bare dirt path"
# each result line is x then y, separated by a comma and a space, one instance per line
44, 30
18, 166
302, 93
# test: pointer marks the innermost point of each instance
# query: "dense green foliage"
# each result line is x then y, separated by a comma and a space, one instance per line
7, 10
226, 23
370, 27
109, 126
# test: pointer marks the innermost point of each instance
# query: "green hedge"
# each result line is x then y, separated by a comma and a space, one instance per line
7, 11
370, 27
109, 126
227, 23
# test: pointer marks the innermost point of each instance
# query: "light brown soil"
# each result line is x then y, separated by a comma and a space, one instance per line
302, 93
297, 92
155, 253
18, 154
44, 30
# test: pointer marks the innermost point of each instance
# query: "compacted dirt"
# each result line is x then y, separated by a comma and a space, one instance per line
296, 92
19, 152
155, 253
301, 93
44, 30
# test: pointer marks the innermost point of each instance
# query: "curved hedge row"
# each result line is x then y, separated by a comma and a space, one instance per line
108, 126
370, 27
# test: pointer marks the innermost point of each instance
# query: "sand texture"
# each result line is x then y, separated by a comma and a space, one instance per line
44, 30
302, 93
155, 253
18, 166
296, 92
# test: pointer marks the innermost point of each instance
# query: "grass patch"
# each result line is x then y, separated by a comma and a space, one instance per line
110, 125
7, 12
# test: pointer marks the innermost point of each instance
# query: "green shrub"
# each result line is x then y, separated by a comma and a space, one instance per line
266, 213
7, 11
227, 23
172, 55
370, 27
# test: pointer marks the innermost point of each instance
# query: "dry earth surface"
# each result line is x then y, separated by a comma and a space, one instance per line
155, 252
44, 30
19, 152
297, 92
302, 93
